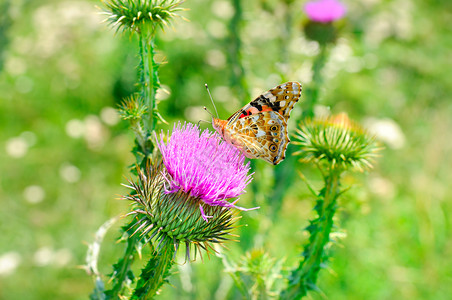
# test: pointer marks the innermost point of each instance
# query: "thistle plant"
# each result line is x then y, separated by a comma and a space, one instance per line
181, 195
141, 18
334, 145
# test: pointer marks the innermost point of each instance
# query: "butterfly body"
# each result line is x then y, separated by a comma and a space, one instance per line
259, 129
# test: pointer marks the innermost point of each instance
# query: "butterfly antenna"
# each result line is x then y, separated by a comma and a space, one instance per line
208, 91
207, 110
199, 122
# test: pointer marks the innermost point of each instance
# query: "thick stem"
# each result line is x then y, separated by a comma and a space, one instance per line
155, 83
149, 79
155, 272
145, 75
304, 277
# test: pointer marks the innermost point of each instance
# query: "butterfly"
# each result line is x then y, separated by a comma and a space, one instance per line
259, 129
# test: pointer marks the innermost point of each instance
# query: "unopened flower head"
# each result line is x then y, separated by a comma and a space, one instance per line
336, 141
138, 15
324, 11
132, 108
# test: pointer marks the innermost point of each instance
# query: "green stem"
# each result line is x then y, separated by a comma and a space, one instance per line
304, 277
312, 92
6, 23
140, 134
155, 272
122, 268
234, 42
286, 34
283, 172
149, 78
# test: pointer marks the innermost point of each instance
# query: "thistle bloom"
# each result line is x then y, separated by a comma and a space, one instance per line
324, 11
203, 166
174, 196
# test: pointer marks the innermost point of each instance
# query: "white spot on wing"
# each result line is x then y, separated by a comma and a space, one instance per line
260, 133
270, 97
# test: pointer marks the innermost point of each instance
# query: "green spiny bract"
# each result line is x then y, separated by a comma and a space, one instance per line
132, 108
336, 141
176, 217
139, 15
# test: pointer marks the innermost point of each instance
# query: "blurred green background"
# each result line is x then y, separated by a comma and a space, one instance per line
64, 151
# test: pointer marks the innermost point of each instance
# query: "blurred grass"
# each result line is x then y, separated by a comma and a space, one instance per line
63, 155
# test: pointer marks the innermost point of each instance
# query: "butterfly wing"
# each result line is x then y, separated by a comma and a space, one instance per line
259, 129
280, 99
262, 135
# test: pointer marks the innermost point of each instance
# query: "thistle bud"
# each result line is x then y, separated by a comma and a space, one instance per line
321, 15
136, 15
336, 141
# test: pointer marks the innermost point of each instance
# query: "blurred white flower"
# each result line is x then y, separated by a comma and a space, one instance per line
34, 194
92, 129
95, 132
109, 116
387, 131
223, 9
75, 128
216, 58
382, 187
223, 93
43, 256
9, 262
217, 29
322, 111
62, 257
70, 173
16, 147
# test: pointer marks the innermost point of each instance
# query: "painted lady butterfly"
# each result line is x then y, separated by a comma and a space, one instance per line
259, 129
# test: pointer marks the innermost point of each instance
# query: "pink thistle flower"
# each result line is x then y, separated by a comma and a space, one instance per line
203, 166
324, 11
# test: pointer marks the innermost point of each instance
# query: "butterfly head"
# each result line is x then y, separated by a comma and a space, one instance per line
219, 125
